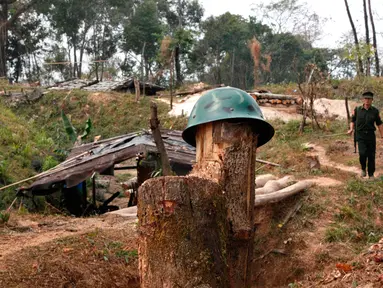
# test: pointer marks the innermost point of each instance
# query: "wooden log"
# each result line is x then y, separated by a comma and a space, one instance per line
282, 194
274, 185
261, 180
182, 232
274, 96
226, 153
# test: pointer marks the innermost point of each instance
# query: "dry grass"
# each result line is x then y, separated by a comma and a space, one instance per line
102, 258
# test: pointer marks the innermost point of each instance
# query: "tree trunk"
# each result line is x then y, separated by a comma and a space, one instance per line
137, 89
374, 44
368, 62
3, 39
232, 68
178, 66
75, 72
171, 78
226, 152
360, 70
143, 68
183, 233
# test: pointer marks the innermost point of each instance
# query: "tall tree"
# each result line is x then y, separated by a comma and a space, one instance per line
292, 16
25, 45
368, 62
142, 33
374, 44
360, 70
10, 11
183, 18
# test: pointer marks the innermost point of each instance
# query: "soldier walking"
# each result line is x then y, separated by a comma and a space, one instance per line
362, 124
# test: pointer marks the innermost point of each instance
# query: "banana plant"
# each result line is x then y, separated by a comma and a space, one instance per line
71, 131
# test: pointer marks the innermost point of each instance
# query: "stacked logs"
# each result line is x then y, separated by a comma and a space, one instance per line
268, 99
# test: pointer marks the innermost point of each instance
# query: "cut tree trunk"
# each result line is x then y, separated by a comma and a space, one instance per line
226, 153
183, 233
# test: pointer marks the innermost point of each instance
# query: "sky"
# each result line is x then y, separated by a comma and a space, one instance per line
334, 10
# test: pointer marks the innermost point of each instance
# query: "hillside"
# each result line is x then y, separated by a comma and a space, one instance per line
335, 224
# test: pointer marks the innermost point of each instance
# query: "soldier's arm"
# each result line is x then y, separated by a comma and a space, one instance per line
352, 123
380, 127
379, 123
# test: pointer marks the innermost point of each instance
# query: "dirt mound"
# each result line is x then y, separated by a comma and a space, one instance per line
102, 98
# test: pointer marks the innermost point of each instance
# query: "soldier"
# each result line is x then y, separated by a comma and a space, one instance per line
362, 124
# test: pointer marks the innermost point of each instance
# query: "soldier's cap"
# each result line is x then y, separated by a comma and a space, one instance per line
368, 95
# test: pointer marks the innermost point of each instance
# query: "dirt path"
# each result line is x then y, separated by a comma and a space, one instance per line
317, 150
325, 161
34, 230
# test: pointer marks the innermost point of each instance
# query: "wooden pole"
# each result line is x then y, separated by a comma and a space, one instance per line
226, 152
154, 126
182, 233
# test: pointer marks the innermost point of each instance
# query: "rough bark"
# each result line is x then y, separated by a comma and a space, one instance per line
183, 233
360, 69
155, 127
368, 62
374, 43
226, 153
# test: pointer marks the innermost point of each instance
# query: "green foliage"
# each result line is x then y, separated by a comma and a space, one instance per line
49, 162
4, 217
357, 220
70, 130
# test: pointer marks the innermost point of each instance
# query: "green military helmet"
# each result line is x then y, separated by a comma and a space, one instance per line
227, 103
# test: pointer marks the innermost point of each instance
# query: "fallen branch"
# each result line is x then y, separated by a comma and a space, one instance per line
154, 126
275, 251
267, 162
282, 194
291, 214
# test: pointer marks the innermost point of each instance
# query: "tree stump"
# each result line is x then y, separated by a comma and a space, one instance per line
226, 152
183, 233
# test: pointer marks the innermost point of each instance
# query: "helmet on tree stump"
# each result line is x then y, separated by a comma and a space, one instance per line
229, 104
